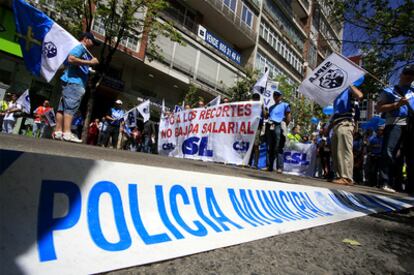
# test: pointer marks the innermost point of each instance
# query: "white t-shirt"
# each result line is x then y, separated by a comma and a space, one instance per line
10, 116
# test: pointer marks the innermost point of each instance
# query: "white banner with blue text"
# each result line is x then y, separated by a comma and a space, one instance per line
221, 133
299, 159
64, 215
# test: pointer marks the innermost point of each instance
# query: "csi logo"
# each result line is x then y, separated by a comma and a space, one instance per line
168, 146
241, 146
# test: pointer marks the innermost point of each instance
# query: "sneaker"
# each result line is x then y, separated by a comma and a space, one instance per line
57, 135
71, 138
388, 189
279, 171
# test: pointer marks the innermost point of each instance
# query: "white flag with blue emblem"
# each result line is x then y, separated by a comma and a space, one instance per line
330, 79
144, 110
130, 118
214, 102
24, 101
178, 108
261, 84
50, 117
45, 45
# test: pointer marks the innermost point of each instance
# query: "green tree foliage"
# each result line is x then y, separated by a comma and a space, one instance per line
241, 90
121, 19
191, 97
302, 109
389, 41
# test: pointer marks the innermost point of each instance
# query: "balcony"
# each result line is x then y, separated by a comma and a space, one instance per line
225, 22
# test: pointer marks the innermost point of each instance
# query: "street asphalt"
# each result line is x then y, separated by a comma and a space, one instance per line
386, 240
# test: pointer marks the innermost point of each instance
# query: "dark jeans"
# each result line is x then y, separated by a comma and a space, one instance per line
397, 140
373, 164
275, 143
113, 132
147, 144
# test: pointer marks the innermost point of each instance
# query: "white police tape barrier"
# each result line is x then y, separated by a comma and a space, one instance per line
65, 215
223, 133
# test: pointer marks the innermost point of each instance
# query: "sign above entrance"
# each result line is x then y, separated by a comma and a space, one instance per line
218, 44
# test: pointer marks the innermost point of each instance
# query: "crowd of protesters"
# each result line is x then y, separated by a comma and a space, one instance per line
346, 155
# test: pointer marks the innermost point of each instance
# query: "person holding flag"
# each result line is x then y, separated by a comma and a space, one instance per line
397, 104
40, 121
45, 46
115, 118
343, 124
74, 81
279, 114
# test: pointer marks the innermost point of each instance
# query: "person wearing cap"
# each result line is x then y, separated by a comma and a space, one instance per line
74, 81
278, 114
115, 119
394, 103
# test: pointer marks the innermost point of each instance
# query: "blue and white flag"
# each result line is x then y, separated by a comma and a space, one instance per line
127, 130
50, 117
410, 96
24, 101
214, 102
45, 45
261, 84
178, 108
144, 110
130, 118
332, 77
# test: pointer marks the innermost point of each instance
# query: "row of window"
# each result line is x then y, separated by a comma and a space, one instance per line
327, 32
285, 23
127, 42
276, 42
262, 62
246, 15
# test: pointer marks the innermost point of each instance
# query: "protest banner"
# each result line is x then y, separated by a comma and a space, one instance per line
222, 133
299, 159
110, 215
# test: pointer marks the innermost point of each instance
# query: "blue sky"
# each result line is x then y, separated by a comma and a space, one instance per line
353, 33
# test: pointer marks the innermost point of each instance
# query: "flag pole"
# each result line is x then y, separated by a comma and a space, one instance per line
367, 72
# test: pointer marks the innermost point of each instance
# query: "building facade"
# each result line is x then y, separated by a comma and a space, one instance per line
222, 38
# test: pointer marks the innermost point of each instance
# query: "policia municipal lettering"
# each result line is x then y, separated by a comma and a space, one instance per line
394, 103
